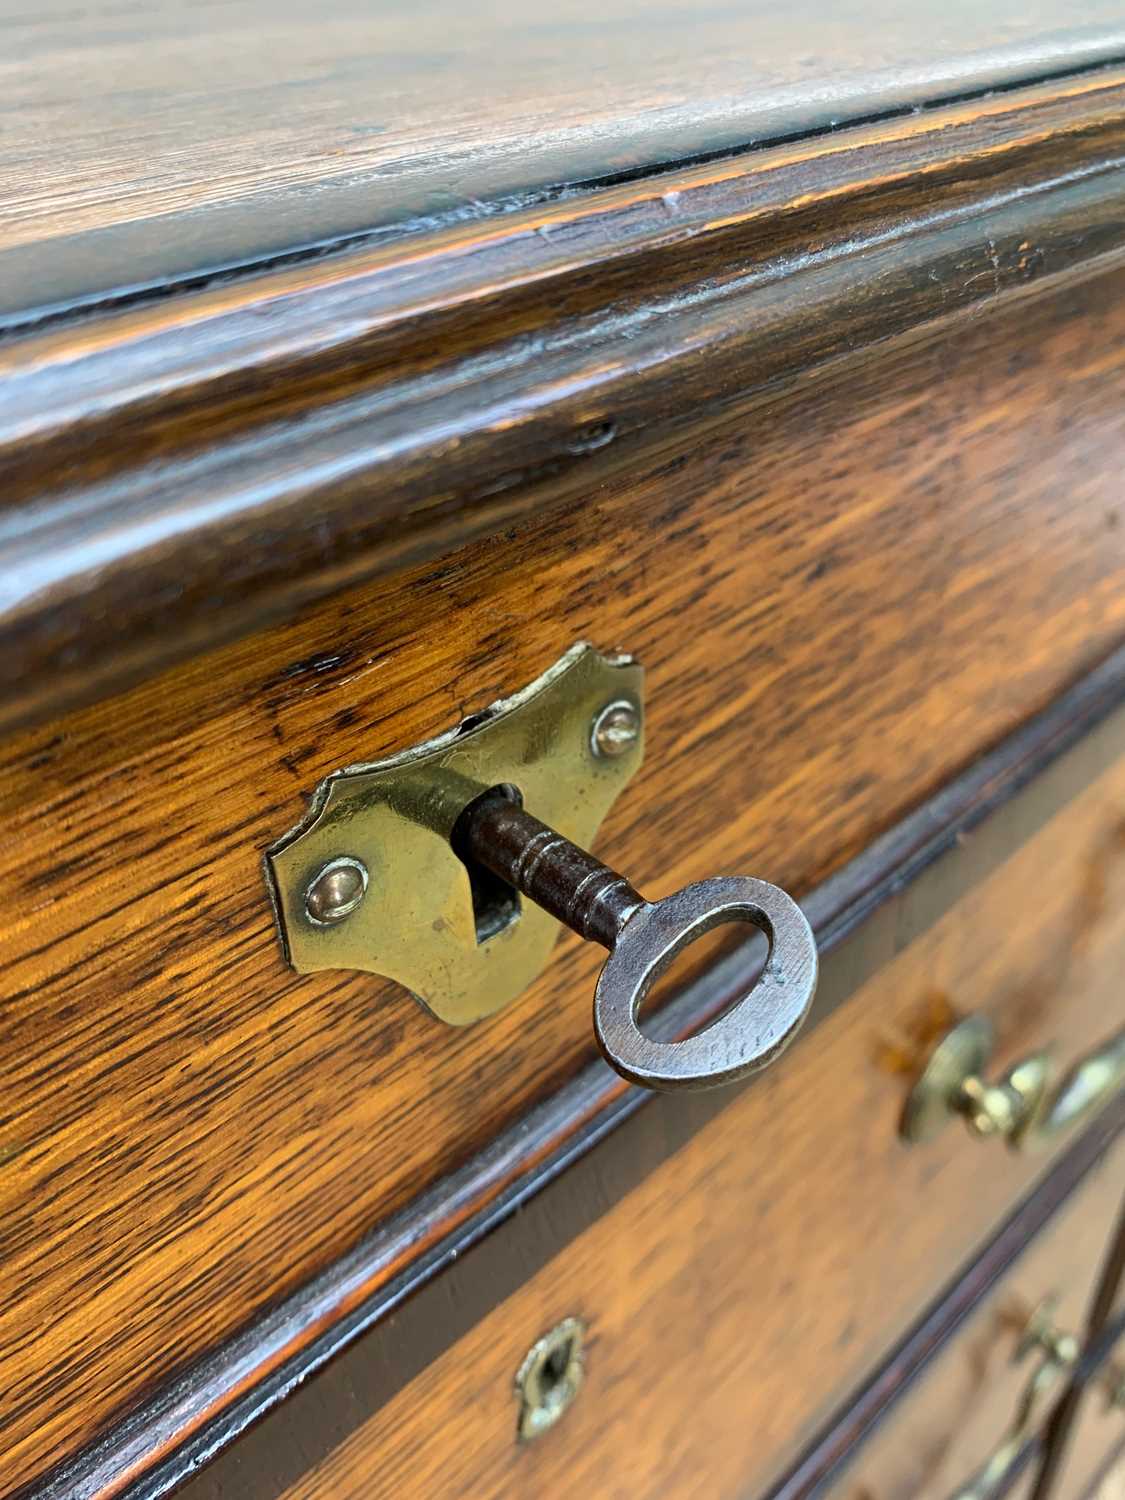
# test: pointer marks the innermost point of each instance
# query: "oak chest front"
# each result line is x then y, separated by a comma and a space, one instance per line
630, 498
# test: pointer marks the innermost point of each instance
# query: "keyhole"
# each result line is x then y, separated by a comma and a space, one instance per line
555, 1365
496, 904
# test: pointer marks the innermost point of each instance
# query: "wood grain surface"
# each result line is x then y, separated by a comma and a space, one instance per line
180, 474
190, 1131
141, 145
702, 1333
957, 1415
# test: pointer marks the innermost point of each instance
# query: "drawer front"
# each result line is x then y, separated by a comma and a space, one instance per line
191, 1131
712, 1338
942, 1434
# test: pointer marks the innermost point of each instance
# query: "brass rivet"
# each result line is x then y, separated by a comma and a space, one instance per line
616, 729
549, 1378
335, 891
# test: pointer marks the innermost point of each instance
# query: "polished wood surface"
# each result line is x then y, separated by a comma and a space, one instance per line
187, 471
140, 150
183, 1162
961, 1410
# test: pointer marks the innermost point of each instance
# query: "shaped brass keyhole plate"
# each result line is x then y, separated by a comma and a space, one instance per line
549, 1378
369, 879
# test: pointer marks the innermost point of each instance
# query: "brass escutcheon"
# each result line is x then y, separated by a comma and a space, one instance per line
368, 879
549, 1378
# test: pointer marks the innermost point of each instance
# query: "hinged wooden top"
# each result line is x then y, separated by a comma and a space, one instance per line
144, 147
559, 238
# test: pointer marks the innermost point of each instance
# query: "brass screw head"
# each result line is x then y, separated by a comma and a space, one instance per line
335, 891
615, 730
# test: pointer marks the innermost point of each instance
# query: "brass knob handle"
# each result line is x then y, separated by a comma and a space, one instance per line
1060, 1353
644, 937
1024, 1106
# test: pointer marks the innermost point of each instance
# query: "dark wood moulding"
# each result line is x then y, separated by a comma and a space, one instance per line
183, 473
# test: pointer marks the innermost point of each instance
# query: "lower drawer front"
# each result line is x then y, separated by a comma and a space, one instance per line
944, 1431
709, 1335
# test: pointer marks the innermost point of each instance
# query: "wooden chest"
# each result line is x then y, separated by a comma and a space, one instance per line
734, 401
